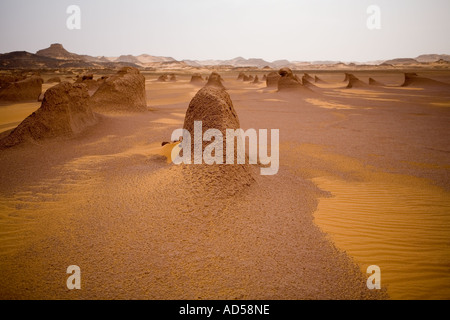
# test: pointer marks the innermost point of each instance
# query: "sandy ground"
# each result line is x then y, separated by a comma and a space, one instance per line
363, 180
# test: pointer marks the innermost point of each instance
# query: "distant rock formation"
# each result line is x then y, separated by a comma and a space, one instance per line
354, 82
307, 77
23, 90
272, 79
162, 78
64, 112
256, 80
57, 51
173, 78
306, 81
196, 78
347, 77
287, 81
373, 82
215, 80
414, 80
122, 92
318, 80
241, 76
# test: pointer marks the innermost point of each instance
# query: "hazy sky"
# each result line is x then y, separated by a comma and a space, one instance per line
301, 30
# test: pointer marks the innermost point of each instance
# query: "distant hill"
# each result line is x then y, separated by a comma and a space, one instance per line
56, 56
192, 63
146, 58
240, 62
401, 61
57, 51
26, 60
127, 58
433, 57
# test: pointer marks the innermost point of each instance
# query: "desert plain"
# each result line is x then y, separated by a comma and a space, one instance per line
363, 180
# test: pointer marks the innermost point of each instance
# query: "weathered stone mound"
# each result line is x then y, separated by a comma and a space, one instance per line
215, 80
241, 76
23, 90
307, 83
414, 80
197, 78
264, 77
354, 82
347, 77
374, 82
288, 81
246, 78
272, 79
307, 77
318, 80
122, 92
64, 112
163, 78
213, 106
256, 80
173, 78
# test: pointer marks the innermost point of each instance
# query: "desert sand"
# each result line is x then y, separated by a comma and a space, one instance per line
363, 180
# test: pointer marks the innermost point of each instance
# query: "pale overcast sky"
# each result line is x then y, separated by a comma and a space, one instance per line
301, 30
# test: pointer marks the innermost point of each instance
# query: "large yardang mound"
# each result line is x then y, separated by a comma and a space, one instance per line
272, 79
414, 80
64, 112
215, 80
23, 90
241, 76
213, 106
173, 78
288, 81
256, 80
122, 92
197, 78
354, 82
